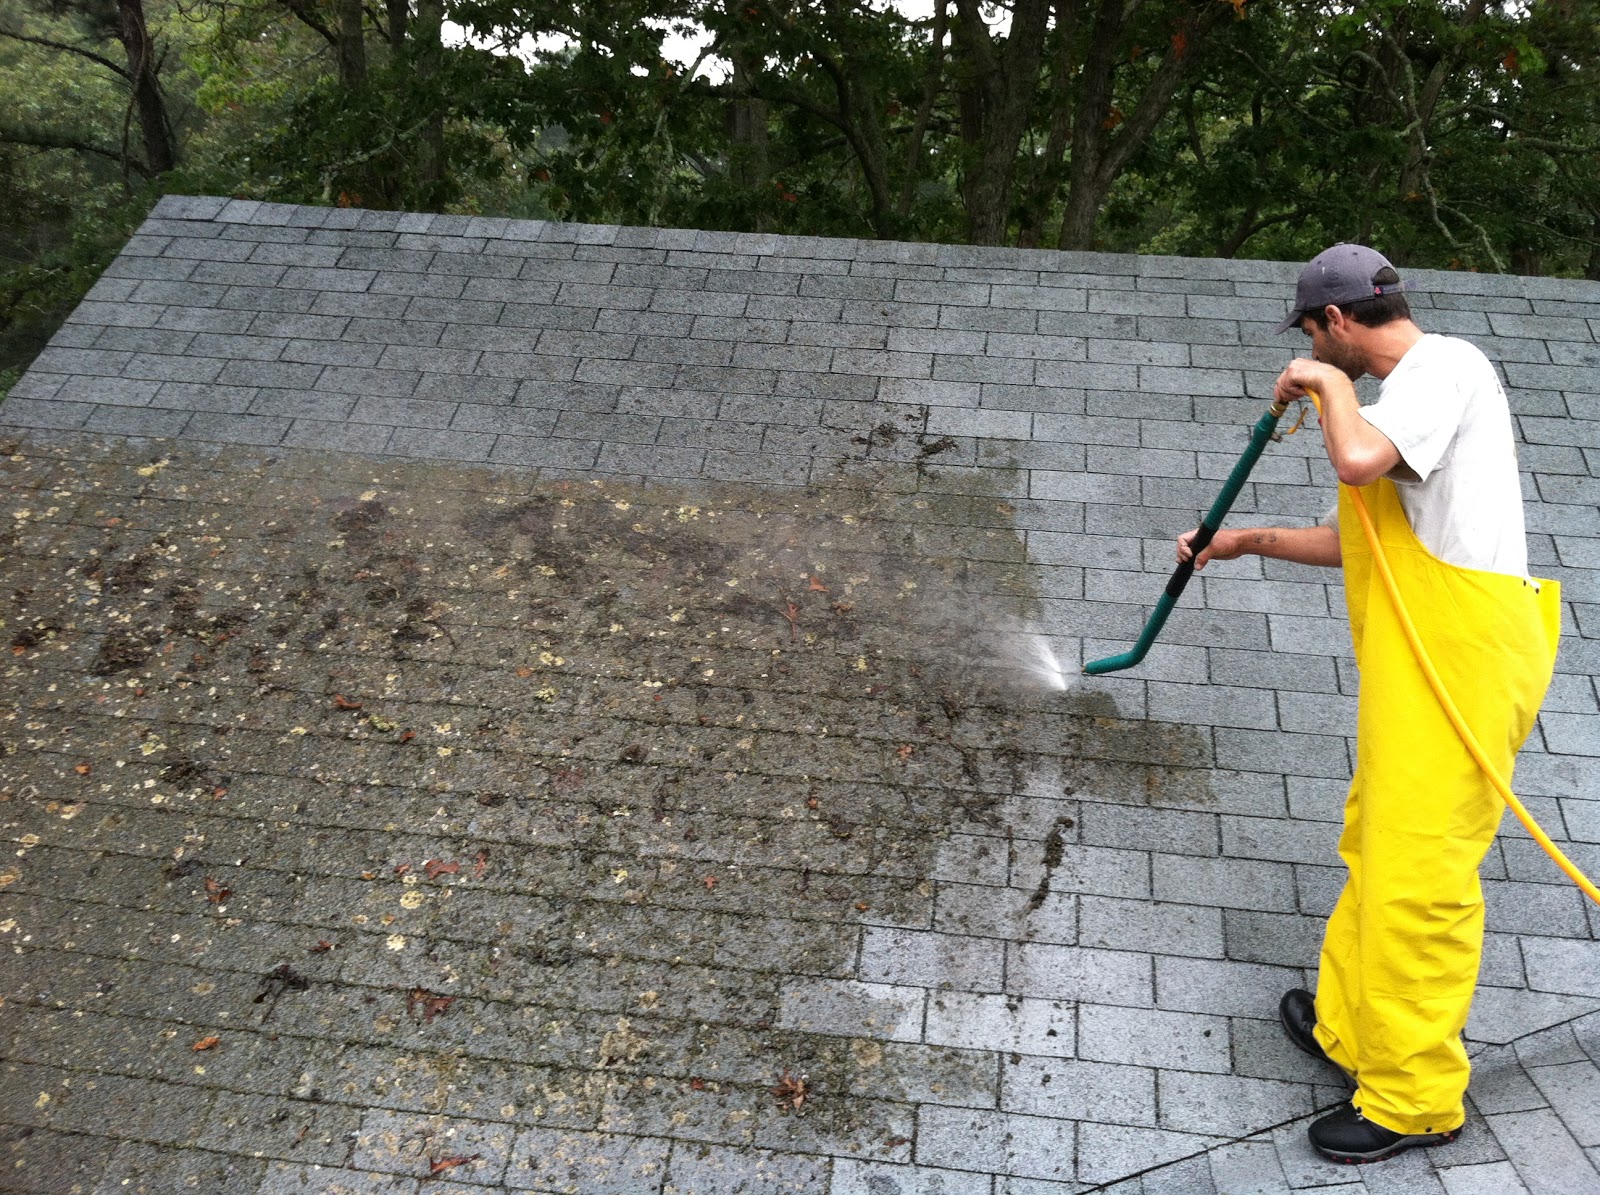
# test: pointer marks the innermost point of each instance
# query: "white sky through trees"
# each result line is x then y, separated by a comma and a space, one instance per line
685, 48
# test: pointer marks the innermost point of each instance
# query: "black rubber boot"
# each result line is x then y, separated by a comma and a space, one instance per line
1347, 1136
1298, 1012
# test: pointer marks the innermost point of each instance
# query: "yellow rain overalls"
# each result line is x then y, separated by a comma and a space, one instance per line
1401, 952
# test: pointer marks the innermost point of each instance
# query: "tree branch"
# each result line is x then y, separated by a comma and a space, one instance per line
45, 139
48, 44
1157, 97
303, 10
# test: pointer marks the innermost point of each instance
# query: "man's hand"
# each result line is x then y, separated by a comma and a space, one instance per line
1360, 453
1304, 373
1225, 545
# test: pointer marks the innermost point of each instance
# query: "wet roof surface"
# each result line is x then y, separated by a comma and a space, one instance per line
510, 706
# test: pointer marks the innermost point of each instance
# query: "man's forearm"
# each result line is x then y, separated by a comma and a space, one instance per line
1359, 452
1304, 545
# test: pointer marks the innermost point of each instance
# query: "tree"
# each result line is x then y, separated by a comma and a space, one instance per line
1459, 134
86, 29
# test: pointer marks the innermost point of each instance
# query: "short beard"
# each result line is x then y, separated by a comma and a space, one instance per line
1348, 361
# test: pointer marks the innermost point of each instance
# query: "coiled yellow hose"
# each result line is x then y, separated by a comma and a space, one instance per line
1468, 739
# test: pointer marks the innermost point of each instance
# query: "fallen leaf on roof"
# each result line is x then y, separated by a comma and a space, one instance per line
428, 1004
791, 1090
444, 1164
205, 1043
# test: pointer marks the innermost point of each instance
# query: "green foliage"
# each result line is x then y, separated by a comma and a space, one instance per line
37, 295
1461, 133
1452, 135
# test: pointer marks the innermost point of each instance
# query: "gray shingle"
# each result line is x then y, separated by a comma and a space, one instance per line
22, 411
370, 330
137, 421
1182, 1041
121, 392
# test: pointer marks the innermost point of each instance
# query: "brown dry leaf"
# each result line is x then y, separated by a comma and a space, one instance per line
696, 1083
862, 906
430, 1005
791, 1090
216, 892
710, 882
524, 672
408, 736
83, 769
341, 702
205, 1043
450, 1163
434, 868
817, 586
322, 947
400, 869
905, 751
480, 864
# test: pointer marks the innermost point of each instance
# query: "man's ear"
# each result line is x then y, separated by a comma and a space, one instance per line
1336, 319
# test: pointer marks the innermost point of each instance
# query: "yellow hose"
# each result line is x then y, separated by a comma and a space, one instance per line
1468, 739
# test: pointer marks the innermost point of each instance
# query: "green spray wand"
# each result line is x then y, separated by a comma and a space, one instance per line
1259, 435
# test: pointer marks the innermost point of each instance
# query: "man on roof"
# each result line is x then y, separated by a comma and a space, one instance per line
1435, 459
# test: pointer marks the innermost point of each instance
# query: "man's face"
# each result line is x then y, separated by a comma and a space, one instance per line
1330, 346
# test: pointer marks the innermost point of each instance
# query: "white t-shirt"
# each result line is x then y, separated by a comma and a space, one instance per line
1443, 408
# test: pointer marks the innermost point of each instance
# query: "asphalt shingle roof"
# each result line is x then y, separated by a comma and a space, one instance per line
533, 691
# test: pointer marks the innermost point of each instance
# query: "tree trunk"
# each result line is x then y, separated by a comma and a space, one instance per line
1045, 179
1002, 82
430, 51
747, 132
149, 105
1093, 119
1103, 140
747, 141
399, 18
1526, 261
930, 95
350, 47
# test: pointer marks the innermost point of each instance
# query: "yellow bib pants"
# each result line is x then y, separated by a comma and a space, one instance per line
1401, 952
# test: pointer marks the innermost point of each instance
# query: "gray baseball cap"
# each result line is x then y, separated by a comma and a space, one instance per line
1336, 276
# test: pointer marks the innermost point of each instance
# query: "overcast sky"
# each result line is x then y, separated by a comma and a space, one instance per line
684, 50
